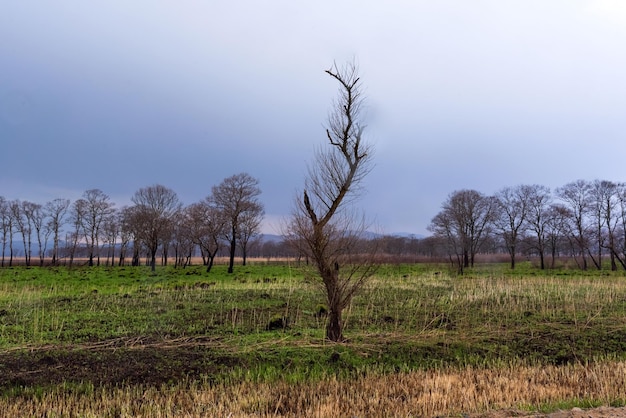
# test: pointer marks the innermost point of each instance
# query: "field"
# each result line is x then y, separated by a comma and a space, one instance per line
123, 341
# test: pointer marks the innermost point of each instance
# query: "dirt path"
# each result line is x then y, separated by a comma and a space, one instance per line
602, 412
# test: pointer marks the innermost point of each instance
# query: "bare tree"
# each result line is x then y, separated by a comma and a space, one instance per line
111, 231
465, 222
95, 207
604, 216
207, 225
557, 216
250, 227
613, 215
32, 220
182, 241
22, 214
575, 196
126, 232
36, 218
5, 223
510, 216
13, 221
56, 211
155, 209
539, 200
237, 199
323, 219
78, 211
619, 243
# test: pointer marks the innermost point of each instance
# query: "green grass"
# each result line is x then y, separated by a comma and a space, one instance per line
408, 317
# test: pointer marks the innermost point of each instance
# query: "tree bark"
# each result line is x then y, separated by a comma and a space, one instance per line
233, 248
334, 326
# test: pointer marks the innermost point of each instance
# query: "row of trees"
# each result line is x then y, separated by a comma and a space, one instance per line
157, 224
585, 220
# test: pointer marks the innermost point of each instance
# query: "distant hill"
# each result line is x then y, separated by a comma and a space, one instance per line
271, 238
369, 235
406, 235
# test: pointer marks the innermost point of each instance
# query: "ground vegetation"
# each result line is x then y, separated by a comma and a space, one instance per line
420, 340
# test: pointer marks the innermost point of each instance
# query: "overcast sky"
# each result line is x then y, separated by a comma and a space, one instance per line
118, 95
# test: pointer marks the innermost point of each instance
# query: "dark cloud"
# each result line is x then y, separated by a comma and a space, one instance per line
121, 95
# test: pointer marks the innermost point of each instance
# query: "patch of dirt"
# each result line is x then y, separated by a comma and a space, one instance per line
602, 412
151, 364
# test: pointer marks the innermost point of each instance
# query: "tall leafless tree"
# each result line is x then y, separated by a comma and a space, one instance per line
207, 226
250, 227
604, 216
539, 201
111, 233
36, 217
555, 229
13, 216
128, 219
21, 211
78, 211
510, 216
323, 218
619, 243
22, 227
575, 196
125, 233
5, 226
155, 209
465, 221
182, 238
56, 211
95, 207
236, 197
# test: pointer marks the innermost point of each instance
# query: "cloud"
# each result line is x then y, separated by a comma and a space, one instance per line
118, 96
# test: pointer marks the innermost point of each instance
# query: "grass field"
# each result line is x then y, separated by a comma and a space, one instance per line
422, 342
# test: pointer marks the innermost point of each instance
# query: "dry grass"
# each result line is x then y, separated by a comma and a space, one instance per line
491, 314
420, 393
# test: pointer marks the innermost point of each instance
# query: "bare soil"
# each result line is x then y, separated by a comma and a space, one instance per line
602, 412
147, 364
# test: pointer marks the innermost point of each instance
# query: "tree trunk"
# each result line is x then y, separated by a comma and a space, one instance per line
334, 325
512, 254
620, 259
10, 247
165, 254
233, 247
55, 247
209, 264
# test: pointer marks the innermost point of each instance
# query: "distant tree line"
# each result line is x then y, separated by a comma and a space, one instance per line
582, 220
155, 226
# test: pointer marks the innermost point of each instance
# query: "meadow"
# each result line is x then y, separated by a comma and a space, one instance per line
422, 341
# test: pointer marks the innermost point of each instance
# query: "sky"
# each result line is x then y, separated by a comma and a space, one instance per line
485, 94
